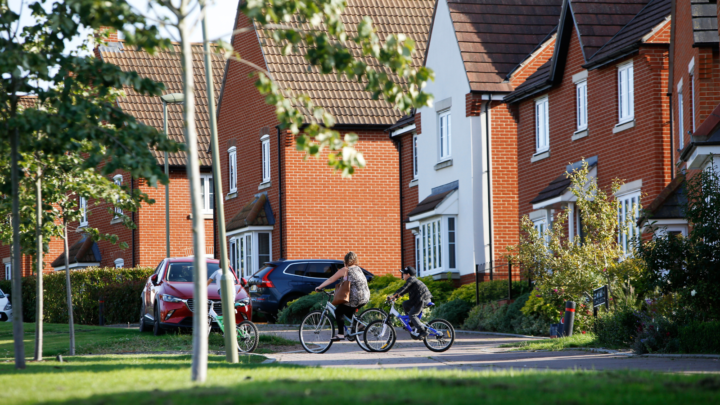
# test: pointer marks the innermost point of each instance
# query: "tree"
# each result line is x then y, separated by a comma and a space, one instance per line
35, 61
688, 267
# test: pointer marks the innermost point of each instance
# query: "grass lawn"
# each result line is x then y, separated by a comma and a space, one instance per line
103, 340
576, 340
165, 379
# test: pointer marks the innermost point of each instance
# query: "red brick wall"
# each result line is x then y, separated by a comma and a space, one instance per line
532, 65
638, 153
409, 197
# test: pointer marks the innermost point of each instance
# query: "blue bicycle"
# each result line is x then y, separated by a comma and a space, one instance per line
379, 335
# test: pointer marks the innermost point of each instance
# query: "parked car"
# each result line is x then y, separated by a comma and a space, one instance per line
5, 308
282, 281
167, 299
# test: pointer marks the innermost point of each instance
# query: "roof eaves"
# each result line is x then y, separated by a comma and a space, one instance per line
612, 57
513, 98
561, 42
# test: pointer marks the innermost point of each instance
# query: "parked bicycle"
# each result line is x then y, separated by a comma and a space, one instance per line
318, 327
379, 335
247, 332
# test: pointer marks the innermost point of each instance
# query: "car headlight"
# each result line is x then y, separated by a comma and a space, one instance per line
242, 302
170, 298
8, 307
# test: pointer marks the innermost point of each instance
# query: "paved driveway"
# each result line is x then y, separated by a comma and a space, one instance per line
480, 352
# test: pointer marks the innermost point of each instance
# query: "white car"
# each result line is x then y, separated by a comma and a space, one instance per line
5, 308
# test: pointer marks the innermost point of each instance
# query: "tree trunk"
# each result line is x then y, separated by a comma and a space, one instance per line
39, 260
200, 344
68, 288
19, 345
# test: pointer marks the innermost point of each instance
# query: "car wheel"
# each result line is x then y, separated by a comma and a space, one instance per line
144, 324
157, 328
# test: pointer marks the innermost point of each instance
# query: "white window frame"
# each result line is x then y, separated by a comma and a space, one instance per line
432, 245
206, 180
451, 242
626, 96
415, 156
691, 72
118, 180
418, 258
84, 211
8, 271
628, 203
232, 169
445, 135
581, 105
540, 226
265, 141
681, 121
119, 263
246, 255
542, 125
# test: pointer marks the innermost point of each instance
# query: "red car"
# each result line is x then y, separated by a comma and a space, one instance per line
167, 299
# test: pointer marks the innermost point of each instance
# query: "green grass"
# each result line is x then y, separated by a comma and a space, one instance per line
103, 340
576, 340
154, 379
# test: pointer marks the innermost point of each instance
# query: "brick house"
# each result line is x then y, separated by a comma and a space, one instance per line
465, 210
146, 243
277, 204
600, 97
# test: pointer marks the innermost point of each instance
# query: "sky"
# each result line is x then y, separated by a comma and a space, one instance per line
221, 17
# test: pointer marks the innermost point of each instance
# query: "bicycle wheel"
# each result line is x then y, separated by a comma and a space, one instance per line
379, 337
247, 337
316, 332
364, 319
443, 336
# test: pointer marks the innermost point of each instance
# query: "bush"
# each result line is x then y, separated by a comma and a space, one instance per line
617, 329
119, 288
488, 291
381, 287
455, 312
296, 310
700, 337
486, 317
493, 317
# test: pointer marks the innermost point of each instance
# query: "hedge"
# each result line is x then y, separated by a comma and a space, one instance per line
489, 291
120, 289
700, 337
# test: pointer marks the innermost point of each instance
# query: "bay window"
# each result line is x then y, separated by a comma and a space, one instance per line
250, 251
435, 245
628, 207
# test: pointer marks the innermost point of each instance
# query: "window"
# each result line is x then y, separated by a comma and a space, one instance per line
8, 271
243, 256
263, 248
207, 192
681, 129
581, 94
119, 263
542, 126
118, 179
232, 253
265, 158
432, 246
83, 212
418, 267
451, 242
625, 93
445, 134
628, 207
415, 157
320, 270
540, 227
232, 169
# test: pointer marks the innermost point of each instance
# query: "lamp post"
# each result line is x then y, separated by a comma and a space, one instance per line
172, 98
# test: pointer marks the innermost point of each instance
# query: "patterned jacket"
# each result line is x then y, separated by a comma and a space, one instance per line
417, 290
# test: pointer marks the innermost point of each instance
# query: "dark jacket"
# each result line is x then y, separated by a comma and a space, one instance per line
417, 290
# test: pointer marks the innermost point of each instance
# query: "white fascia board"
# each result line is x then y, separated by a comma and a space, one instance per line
630, 187
412, 225
448, 206
547, 203
422, 216
655, 30
403, 130
700, 156
670, 221
249, 229
76, 265
495, 97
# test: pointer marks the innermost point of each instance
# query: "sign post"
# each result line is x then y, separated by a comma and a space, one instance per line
600, 297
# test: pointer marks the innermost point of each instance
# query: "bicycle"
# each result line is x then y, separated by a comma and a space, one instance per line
379, 335
247, 332
318, 327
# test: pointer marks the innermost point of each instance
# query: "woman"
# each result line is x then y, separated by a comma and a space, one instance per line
359, 292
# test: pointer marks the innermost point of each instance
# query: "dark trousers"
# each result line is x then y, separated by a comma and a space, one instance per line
413, 311
346, 310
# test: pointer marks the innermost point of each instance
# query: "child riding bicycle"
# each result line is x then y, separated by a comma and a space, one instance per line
419, 297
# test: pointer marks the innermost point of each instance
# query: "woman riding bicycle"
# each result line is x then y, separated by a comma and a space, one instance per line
359, 292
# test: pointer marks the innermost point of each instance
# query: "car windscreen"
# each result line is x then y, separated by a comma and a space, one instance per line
183, 272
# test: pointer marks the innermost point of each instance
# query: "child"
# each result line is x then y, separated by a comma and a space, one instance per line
419, 297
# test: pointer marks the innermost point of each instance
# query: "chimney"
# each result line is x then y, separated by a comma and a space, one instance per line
108, 38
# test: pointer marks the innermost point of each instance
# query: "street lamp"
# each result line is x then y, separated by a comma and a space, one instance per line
172, 98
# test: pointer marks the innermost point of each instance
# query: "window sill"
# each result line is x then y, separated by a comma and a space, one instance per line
231, 195
265, 185
579, 134
623, 126
444, 164
540, 156
81, 228
116, 220
413, 183
205, 215
441, 274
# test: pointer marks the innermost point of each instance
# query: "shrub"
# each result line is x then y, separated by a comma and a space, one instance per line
493, 317
487, 317
296, 310
119, 288
617, 329
656, 334
455, 312
700, 337
488, 291
381, 287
